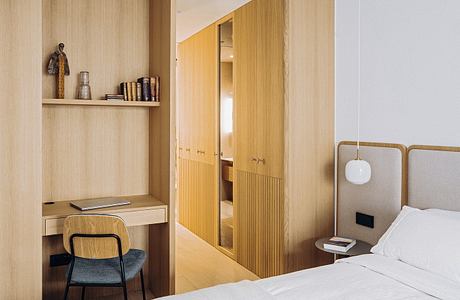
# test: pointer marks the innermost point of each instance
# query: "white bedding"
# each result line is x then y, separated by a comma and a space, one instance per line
361, 277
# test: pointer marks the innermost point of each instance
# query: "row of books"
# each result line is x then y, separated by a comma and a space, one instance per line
145, 89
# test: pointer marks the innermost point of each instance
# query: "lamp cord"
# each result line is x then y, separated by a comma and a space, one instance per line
359, 78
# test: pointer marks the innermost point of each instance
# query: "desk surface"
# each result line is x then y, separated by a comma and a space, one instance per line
62, 209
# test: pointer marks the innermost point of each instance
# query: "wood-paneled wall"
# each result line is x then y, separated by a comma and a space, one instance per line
20, 149
91, 152
110, 39
259, 222
162, 144
309, 121
197, 206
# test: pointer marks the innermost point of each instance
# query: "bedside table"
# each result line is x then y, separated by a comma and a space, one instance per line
358, 249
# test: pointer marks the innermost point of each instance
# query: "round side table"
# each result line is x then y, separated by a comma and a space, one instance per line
358, 249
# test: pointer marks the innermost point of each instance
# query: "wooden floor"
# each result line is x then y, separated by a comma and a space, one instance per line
199, 265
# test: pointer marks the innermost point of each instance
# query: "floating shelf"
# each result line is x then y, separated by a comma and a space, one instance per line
99, 102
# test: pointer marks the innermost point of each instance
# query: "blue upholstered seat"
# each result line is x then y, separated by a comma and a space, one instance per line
107, 271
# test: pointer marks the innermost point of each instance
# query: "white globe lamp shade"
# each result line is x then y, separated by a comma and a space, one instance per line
358, 171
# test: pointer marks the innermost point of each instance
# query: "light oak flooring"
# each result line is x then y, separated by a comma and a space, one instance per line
199, 265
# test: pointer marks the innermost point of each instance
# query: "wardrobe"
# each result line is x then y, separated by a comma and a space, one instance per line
283, 133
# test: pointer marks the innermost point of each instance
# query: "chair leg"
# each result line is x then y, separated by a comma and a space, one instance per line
142, 284
66, 291
125, 292
83, 289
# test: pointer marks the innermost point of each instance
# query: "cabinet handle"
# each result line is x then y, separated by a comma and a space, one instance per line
254, 159
188, 149
261, 160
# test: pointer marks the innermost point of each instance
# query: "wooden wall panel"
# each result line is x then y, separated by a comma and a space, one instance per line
108, 38
54, 278
93, 152
259, 223
162, 144
20, 149
309, 123
197, 199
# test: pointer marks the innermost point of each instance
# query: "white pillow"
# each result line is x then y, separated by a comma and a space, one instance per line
426, 239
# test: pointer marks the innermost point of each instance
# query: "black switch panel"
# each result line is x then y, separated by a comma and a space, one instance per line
364, 220
59, 259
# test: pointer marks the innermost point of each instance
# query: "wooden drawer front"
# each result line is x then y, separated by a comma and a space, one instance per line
131, 218
227, 173
54, 226
143, 217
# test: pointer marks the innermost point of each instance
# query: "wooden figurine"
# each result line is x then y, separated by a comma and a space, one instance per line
59, 65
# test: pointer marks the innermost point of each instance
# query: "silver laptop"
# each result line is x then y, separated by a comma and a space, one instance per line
98, 203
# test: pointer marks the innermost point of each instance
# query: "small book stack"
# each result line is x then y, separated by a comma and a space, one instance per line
339, 244
145, 89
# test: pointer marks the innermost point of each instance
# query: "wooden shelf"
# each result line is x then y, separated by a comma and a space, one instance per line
99, 102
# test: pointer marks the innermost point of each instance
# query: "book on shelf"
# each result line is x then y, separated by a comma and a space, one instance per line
339, 244
133, 91
155, 88
145, 87
124, 90
118, 97
139, 91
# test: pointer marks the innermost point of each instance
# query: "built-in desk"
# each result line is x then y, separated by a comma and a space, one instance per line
143, 210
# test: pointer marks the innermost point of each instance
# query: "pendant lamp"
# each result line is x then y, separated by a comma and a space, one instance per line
358, 171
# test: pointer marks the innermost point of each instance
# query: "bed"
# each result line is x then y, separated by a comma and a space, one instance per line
418, 256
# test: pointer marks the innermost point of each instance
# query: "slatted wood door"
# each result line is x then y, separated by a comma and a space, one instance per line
259, 223
197, 204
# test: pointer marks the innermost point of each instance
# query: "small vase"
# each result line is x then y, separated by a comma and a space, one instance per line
84, 90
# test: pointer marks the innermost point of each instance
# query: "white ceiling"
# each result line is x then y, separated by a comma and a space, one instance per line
194, 15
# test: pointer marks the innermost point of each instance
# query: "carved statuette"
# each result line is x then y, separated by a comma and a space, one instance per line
59, 65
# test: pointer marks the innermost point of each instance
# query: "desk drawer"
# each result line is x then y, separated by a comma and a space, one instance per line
131, 218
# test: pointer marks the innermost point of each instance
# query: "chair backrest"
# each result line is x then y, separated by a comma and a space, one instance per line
95, 247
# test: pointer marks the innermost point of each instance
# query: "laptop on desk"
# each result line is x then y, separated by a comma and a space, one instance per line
90, 204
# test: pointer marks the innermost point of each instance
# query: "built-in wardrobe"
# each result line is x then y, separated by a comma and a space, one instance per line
282, 169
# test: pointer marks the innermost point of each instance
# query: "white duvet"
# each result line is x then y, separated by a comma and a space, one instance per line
361, 277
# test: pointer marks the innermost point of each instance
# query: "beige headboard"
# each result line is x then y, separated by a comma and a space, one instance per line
382, 197
434, 177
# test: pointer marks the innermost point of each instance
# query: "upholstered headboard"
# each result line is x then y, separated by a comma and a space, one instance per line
434, 177
382, 197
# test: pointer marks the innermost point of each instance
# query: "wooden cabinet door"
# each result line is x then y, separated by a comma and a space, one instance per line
245, 82
270, 87
259, 87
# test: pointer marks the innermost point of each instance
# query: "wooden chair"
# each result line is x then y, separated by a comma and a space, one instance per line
100, 253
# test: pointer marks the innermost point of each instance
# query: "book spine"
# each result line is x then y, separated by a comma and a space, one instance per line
123, 91
157, 88
133, 91
152, 89
139, 91
129, 91
145, 82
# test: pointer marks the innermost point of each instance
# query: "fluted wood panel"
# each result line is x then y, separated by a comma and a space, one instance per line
259, 223
197, 199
